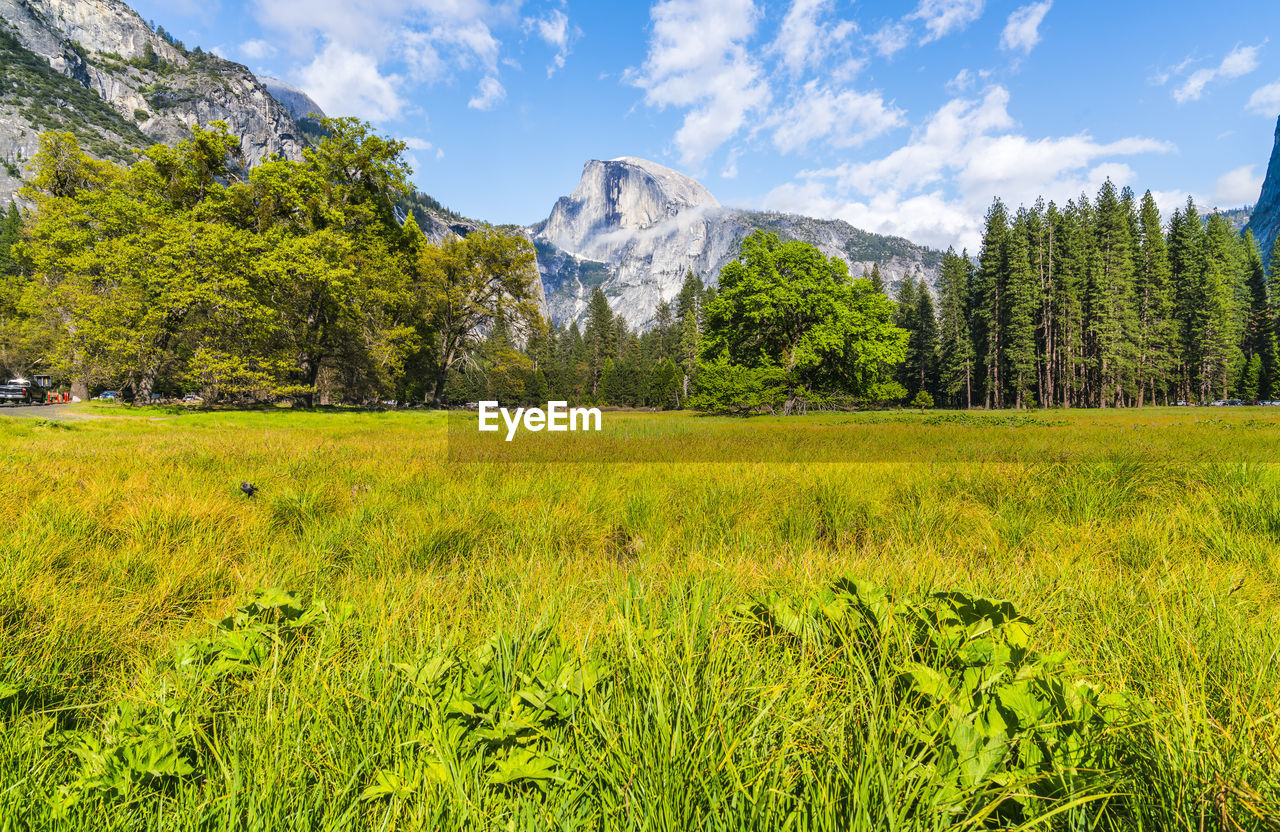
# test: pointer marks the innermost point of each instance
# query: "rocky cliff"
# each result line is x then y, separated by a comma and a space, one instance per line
1265, 221
94, 68
635, 228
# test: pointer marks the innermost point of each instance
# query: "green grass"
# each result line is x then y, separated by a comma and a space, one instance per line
707, 675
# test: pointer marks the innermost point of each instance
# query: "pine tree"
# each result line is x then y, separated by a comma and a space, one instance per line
923, 346
1109, 300
1041, 244
955, 347
877, 280
10, 228
1220, 316
1071, 267
988, 304
1157, 335
1187, 270
600, 337
664, 331
904, 317
1021, 293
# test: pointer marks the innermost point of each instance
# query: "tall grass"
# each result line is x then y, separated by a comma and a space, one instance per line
124, 536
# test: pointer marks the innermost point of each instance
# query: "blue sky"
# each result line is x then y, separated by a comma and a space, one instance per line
902, 118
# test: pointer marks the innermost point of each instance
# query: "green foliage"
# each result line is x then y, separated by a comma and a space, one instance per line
296, 280
502, 714
795, 319
922, 400
1001, 732
724, 387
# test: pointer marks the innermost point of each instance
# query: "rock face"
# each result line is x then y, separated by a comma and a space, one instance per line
140, 87
1265, 221
635, 228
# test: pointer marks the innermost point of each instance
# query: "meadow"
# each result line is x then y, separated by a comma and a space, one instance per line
875, 621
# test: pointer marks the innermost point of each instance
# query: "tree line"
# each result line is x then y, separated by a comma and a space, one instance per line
185, 272
1097, 304
786, 329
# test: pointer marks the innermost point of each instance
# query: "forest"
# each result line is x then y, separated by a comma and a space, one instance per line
311, 281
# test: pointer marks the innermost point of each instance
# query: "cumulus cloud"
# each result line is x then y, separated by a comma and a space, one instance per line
1239, 62
1265, 100
698, 60
968, 147
416, 144
1022, 31
1238, 187
407, 43
489, 93
842, 118
348, 82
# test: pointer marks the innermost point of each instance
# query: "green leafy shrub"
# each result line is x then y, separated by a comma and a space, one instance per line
500, 713
1002, 732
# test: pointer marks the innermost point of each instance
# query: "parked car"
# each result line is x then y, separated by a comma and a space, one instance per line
21, 391
108, 396
191, 398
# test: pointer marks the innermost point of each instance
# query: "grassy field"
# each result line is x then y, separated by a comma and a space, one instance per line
724, 630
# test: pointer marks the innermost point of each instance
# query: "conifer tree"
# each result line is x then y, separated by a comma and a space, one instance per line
10, 228
955, 349
1157, 335
600, 337
922, 348
1109, 300
1021, 293
1187, 268
877, 279
988, 303
904, 317
1071, 267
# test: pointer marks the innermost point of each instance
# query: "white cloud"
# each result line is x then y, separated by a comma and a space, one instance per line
257, 49
1265, 101
1239, 61
804, 39
346, 82
425, 41
844, 118
1022, 31
554, 29
891, 39
698, 60
730, 170
970, 150
489, 93
942, 17
416, 144
1238, 187
966, 80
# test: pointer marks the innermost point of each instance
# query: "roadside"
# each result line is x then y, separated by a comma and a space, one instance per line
41, 411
